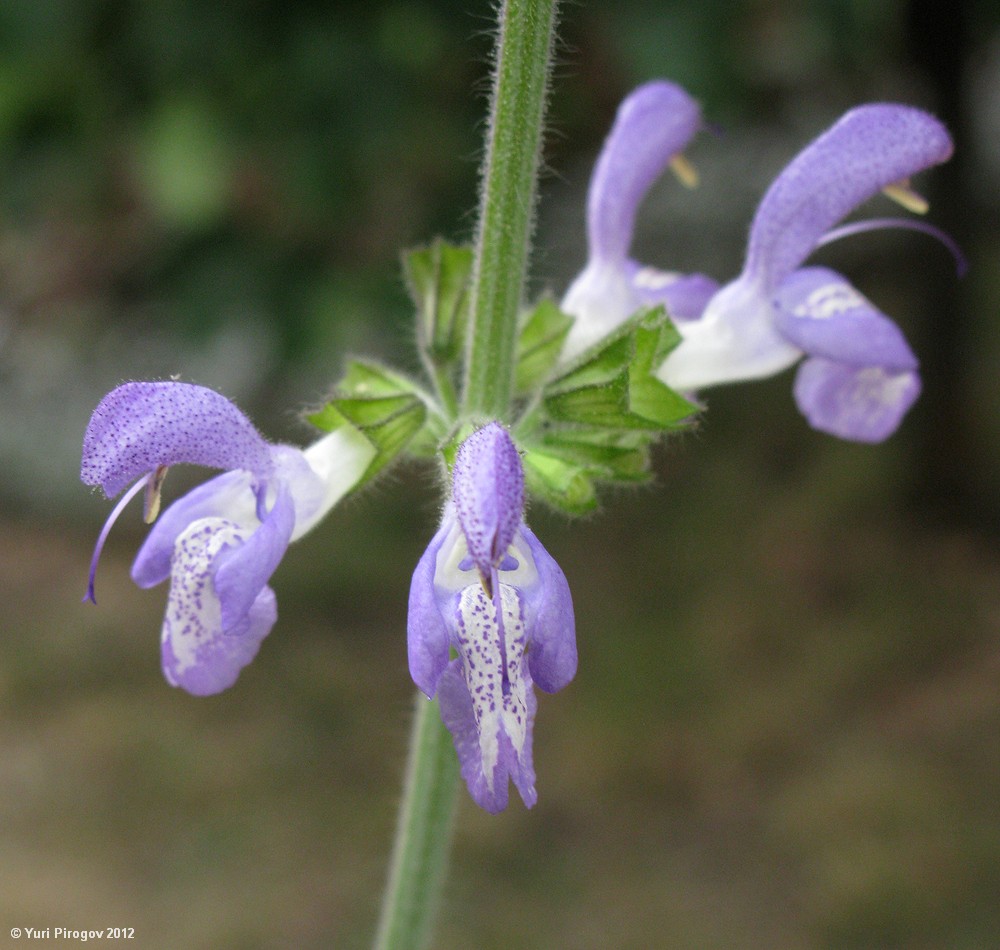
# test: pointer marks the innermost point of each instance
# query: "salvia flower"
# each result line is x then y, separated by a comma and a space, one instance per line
220, 543
860, 376
652, 127
486, 589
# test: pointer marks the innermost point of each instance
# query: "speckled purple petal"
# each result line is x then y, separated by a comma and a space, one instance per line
550, 621
459, 717
823, 315
870, 147
488, 492
863, 404
140, 426
652, 125
199, 653
317, 479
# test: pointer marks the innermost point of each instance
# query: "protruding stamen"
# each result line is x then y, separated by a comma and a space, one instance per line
686, 173
151, 503
904, 195
106, 530
908, 224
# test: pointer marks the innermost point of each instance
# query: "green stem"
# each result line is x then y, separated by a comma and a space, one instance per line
423, 835
507, 204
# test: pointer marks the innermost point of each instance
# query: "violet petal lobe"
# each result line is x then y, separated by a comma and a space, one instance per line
488, 492
138, 427
823, 315
685, 296
653, 124
862, 404
460, 720
427, 636
551, 625
869, 148
199, 654
490, 635
243, 571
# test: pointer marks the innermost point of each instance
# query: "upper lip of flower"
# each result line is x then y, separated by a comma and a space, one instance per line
488, 493
653, 125
868, 149
139, 427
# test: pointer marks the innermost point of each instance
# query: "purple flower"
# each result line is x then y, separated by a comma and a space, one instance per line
487, 589
860, 376
653, 125
221, 542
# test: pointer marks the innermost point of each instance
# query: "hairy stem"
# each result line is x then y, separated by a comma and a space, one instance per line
507, 205
423, 835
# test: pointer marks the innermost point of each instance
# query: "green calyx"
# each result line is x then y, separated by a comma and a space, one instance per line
595, 420
386, 407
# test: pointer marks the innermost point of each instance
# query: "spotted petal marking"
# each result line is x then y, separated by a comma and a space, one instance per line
198, 654
492, 655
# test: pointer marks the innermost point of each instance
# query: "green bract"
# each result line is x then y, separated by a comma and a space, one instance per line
612, 384
438, 278
595, 421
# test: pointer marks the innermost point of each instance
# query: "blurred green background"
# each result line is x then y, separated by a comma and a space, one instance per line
784, 731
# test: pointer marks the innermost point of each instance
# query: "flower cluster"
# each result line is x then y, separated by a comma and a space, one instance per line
597, 381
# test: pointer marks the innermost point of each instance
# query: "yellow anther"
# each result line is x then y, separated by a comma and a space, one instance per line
903, 194
487, 583
686, 173
151, 501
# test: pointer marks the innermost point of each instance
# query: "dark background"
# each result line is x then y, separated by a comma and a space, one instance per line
784, 731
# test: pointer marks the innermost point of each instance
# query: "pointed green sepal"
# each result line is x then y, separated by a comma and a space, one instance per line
562, 484
384, 406
437, 277
612, 385
607, 456
565, 465
364, 380
539, 344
